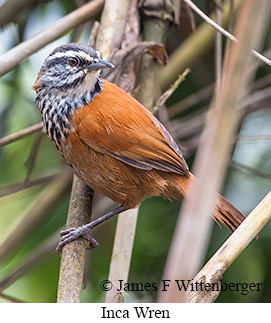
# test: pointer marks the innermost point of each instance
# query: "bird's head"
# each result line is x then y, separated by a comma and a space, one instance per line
70, 66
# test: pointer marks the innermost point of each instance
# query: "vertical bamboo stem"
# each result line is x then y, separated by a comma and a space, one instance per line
154, 30
74, 253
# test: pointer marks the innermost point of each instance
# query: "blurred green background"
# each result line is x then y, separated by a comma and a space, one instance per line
157, 217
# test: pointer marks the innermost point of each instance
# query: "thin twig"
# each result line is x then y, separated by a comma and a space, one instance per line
218, 49
161, 110
164, 97
35, 213
195, 46
80, 3
204, 94
77, 31
212, 272
30, 162
10, 298
20, 186
192, 124
36, 255
94, 33
124, 58
21, 134
251, 170
223, 31
254, 138
192, 17
159, 107
209, 20
262, 82
14, 56
177, 11
214, 150
191, 100
232, 16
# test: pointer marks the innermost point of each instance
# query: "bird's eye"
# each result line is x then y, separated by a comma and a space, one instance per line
73, 61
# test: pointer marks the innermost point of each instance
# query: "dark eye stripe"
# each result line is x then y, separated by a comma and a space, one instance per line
76, 48
63, 61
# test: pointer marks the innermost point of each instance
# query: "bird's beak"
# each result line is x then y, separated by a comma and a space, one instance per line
99, 64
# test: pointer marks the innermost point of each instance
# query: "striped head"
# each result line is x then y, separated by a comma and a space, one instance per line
68, 66
69, 78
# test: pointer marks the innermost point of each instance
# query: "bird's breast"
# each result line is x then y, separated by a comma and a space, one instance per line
57, 108
56, 117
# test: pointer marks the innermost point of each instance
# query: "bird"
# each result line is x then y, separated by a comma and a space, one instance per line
113, 143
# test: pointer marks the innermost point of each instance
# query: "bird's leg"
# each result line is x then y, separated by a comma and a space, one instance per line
71, 234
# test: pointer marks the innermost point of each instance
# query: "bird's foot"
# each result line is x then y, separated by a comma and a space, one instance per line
72, 234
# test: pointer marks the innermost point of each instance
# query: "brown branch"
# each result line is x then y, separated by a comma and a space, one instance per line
148, 90
21, 134
214, 151
73, 255
14, 56
112, 26
11, 8
124, 58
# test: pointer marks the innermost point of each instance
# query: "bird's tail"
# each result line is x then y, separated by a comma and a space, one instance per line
224, 212
227, 214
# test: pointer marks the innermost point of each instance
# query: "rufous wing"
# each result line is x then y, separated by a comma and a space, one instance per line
116, 124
